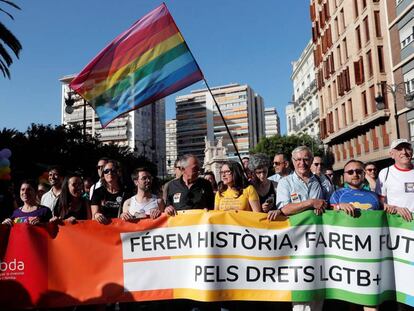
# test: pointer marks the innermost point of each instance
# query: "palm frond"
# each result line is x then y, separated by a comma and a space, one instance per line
7, 13
10, 40
11, 4
5, 55
4, 70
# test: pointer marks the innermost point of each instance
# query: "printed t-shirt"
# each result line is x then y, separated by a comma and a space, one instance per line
43, 212
397, 188
229, 200
110, 203
359, 198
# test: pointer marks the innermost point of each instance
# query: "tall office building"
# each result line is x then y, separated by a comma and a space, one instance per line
400, 17
142, 130
171, 144
198, 119
272, 122
305, 116
351, 56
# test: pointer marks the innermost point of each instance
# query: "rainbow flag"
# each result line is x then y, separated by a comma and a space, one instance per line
145, 63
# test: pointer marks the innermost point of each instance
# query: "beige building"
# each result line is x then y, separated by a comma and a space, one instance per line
400, 17
351, 56
272, 122
198, 118
304, 118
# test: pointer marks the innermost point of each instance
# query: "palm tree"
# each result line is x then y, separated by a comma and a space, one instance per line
9, 40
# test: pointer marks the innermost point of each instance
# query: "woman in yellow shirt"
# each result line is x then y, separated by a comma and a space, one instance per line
235, 192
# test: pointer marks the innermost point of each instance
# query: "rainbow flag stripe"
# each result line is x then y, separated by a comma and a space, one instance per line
145, 63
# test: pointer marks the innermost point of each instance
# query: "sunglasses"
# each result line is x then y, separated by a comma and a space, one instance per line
317, 164
357, 171
277, 163
371, 169
109, 170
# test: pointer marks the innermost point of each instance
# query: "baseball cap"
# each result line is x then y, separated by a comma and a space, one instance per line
397, 142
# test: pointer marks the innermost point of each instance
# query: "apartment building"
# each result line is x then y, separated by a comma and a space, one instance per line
351, 56
272, 122
198, 119
171, 144
304, 118
400, 23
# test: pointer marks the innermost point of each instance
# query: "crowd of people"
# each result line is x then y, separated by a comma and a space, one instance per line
299, 183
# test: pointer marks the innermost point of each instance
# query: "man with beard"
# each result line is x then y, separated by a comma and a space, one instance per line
56, 177
144, 204
354, 196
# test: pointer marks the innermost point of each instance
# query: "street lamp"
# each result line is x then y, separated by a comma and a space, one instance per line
395, 89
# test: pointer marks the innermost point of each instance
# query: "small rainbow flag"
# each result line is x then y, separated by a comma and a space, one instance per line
145, 63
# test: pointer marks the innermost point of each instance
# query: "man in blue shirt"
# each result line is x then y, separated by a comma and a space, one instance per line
354, 196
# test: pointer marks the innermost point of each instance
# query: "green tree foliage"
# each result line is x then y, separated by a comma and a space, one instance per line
44, 145
286, 144
7, 41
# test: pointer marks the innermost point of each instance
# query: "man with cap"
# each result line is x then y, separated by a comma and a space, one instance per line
395, 184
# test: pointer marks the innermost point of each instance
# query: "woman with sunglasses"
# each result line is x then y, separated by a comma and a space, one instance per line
235, 193
72, 205
31, 212
107, 200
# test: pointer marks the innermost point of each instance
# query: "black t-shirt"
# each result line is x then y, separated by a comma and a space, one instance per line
80, 214
270, 194
199, 196
110, 203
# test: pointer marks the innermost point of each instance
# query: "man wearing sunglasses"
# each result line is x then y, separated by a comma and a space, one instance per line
281, 167
354, 196
99, 167
395, 184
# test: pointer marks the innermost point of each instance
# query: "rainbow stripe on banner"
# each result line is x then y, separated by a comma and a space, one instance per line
145, 63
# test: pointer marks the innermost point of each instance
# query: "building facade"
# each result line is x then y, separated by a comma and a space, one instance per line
400, 17
305, 116
171, 144
198, 118
351, 56
142, 130
272, 122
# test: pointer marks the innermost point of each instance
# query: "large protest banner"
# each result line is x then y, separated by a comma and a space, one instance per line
209, 256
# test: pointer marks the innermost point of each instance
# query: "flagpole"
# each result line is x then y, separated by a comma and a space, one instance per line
227, 128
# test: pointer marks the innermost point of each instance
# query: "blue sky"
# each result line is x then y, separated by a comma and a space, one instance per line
246, 42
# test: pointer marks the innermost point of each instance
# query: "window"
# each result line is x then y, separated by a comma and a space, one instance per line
350, 111
344, 114
345, 48
411, 124
372, 99
364, 103
356, 13
359, 72
369, 62
342, 16
366, 28
381, 59
338, 52
377, 21
358, 37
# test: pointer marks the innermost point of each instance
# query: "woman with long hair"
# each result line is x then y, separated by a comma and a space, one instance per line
259, 166
71, 205
235, 193
107, 200
31, 212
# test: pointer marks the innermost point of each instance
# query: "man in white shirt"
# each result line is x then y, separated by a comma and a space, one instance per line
281, 167
395, 184
101, 164
55, 180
